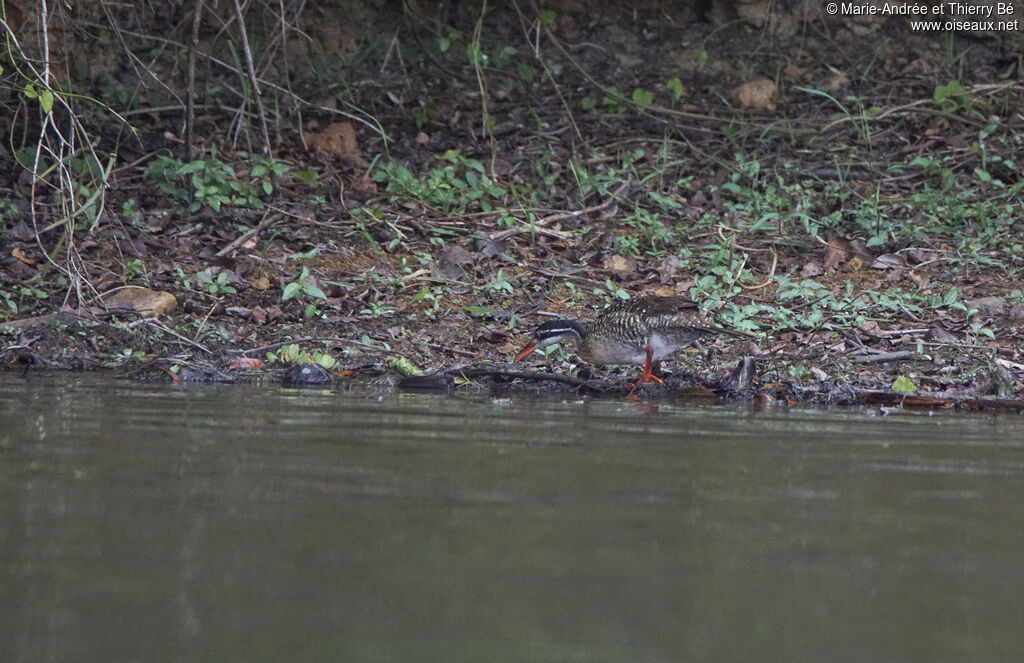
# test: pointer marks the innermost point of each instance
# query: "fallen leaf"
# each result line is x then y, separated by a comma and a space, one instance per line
870, 327
811, 269
16, 252
836, 252
618, 264
260, 283
21, 232
364, 184
836, 82
338, 139
246, 363
889, 261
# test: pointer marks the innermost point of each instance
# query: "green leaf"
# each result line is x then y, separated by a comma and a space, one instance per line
903, 384
547, 16
30, 91
642, 97
480, 310
313, 291
676, 86
46, 101
310, 177
291, 291
403, 365
950, 297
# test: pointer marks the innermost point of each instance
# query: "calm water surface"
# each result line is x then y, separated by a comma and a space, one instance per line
159, 523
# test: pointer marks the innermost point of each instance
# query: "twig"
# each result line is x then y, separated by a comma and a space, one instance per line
265, 222
253, 81
153, 322
539, 225
885, 356
190, 90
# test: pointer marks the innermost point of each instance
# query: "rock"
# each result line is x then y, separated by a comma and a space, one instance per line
1017, 312
306, 374
990, 307
147, 303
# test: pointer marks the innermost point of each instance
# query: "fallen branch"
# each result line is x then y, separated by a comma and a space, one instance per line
593, 385
885, 356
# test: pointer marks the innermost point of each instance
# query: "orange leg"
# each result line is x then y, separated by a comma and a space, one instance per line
647, 375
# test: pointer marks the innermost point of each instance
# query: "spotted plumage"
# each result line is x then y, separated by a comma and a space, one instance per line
636, 331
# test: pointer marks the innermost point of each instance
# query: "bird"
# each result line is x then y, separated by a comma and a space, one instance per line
640, 330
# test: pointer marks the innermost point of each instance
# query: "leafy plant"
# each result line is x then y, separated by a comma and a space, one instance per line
304, 285
952, 97
213, 286
293, 354
676, 86
213, 182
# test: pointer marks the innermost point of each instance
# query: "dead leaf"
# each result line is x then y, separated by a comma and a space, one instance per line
918, 255
618, 264
870, 327
21, 232
889, 261
811, 269
836, 82
449, 264
756, 94
457, 255
260, 283
840, 249
836, 252
339, 139
246, 363
940, 334
16, 252
490, 248
364, 184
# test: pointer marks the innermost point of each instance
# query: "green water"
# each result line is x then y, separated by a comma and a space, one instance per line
158, 523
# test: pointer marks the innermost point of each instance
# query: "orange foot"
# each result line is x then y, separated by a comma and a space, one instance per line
647, 375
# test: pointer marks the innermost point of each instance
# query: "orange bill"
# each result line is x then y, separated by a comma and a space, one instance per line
526, 352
